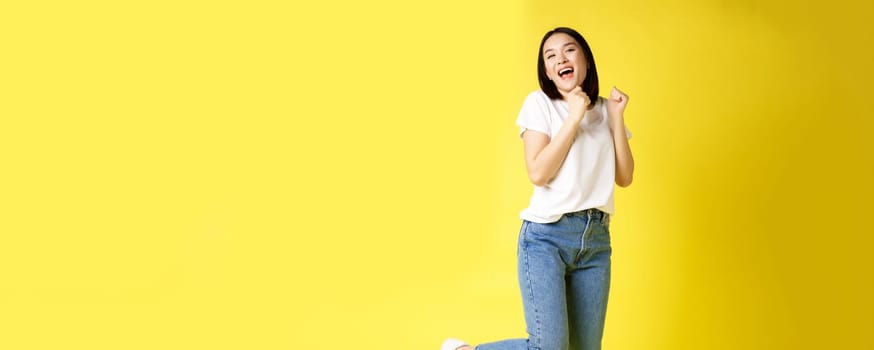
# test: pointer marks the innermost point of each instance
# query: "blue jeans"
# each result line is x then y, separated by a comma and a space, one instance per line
564, 276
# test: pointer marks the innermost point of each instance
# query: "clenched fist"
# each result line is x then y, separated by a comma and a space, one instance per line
617, 101
616, 108
578, 102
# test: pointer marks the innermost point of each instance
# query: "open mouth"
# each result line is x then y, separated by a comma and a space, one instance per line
566, 73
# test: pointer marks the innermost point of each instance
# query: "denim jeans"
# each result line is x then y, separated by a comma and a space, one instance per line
564, 276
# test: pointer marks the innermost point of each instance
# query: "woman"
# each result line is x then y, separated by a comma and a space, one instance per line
575, 150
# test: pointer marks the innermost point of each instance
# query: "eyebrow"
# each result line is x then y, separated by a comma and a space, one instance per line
565, 44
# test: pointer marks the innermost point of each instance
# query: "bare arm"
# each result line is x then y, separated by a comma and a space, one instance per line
543, 157
624, 160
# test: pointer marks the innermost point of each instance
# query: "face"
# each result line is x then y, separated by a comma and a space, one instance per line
564, 61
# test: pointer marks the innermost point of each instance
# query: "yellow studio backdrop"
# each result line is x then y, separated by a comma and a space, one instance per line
348, 175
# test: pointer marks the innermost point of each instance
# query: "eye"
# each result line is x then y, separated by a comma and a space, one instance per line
550, 56
571, 50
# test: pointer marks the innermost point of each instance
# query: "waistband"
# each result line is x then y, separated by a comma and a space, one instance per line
590, 213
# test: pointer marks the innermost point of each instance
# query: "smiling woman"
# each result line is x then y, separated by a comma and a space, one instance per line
575, 150
563, 62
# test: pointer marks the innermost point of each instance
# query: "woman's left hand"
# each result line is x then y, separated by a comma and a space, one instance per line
617, 101
616, 107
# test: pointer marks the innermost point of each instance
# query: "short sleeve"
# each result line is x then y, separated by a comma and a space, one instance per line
534, 114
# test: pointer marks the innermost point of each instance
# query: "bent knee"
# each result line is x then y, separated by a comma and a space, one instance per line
549, 343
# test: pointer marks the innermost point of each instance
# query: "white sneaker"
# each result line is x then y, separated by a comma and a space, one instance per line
452, 344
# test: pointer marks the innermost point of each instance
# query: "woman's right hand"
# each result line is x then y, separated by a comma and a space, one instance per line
544, 154
578, 103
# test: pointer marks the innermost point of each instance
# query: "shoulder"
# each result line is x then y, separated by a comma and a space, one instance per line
536, 113
601, 101
601, 105
536, 101
537, 96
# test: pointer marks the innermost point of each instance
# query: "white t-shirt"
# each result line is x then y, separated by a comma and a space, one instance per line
586, 177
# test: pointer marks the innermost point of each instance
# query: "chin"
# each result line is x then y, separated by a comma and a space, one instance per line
568, 88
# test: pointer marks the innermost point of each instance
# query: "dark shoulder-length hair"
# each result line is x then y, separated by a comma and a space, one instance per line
590, 84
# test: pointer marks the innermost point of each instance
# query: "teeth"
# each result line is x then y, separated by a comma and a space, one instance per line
566, 70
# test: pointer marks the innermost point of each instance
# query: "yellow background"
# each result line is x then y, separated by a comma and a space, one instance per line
347, 175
